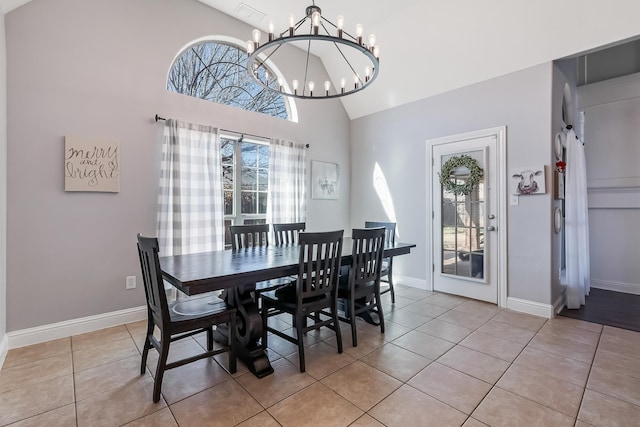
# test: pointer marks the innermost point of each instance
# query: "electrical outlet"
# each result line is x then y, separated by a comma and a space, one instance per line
130, 282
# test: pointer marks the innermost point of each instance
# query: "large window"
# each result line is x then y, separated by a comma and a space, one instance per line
217, 72
245, 175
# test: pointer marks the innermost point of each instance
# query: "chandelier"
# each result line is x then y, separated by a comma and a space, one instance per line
357, 62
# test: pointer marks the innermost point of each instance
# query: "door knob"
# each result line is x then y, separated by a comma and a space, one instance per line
491, 228
492, 216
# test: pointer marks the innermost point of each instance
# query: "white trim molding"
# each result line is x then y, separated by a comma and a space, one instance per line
411, 281
4, 348
71, 327
531, 307
610, 285
621, 197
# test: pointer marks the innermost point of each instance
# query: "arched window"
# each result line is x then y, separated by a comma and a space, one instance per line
216, 71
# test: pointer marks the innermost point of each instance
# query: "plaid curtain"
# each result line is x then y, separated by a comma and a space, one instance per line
190, 203
287, 199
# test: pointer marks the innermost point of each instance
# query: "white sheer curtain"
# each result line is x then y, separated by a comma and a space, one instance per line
287, 199
190, 203
576, 224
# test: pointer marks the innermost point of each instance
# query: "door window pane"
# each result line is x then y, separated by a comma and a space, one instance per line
463, 225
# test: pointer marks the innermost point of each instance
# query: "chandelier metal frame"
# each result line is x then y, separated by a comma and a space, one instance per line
258, 57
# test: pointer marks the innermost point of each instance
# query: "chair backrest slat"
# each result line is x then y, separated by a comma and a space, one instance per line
390, 236
367, 250
319, 263
286, 234
249, 236
152, 279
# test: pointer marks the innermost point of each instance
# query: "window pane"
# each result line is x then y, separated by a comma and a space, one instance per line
248, 202
262, 203
226, 151
263, 156
227, 177
263, 180
228, 202
249, 154
249, 179
254, 221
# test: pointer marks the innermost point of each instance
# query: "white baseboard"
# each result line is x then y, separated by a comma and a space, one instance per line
628, 288
531, 307
411, 281
4, 348
71, 327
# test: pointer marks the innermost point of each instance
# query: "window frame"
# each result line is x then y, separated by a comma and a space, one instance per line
290, 103
237, 217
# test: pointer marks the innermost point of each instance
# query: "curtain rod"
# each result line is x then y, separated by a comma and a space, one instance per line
242, 134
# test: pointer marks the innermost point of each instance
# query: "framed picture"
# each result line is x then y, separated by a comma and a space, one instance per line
91, 164
528, 181
325, 180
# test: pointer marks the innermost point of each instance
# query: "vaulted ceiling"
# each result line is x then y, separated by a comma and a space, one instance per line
433, 46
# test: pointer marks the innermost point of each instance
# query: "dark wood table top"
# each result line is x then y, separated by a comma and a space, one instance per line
210, 271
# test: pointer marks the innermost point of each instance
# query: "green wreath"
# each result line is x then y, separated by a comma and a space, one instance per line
475, 173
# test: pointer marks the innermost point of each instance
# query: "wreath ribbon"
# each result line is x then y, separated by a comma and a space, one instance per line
449, 184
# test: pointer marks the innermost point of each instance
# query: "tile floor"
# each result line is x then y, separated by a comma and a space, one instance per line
443, 361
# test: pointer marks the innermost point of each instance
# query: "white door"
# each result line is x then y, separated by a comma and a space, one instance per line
467, 235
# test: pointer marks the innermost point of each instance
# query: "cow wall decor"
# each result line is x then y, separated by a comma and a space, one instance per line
528, 181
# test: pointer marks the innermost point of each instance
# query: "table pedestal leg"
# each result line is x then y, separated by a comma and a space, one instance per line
249, 331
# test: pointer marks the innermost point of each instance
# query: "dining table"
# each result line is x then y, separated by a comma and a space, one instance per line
236, 272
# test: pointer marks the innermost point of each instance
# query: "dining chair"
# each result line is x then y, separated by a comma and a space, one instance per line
287, 233
315, 291
249, 236
180, 319
386, 274
360, 291
253, 236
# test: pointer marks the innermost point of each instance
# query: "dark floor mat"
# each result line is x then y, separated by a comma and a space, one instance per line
609, 308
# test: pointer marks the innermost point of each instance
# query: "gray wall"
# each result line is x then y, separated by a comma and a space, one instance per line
3, 180
395, 140
98, 68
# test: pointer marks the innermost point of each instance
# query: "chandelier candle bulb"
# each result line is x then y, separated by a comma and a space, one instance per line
295, 87
327, 85
271, 29
367, 72
315, 18
343, 83
256, 38
249, 47
356, 79
359, 31
372, 41
292, 23
311, 86
280, 81
340, 22
376, 51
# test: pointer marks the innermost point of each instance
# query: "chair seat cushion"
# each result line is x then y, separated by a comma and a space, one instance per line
287, 295
196, 307
273, 284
